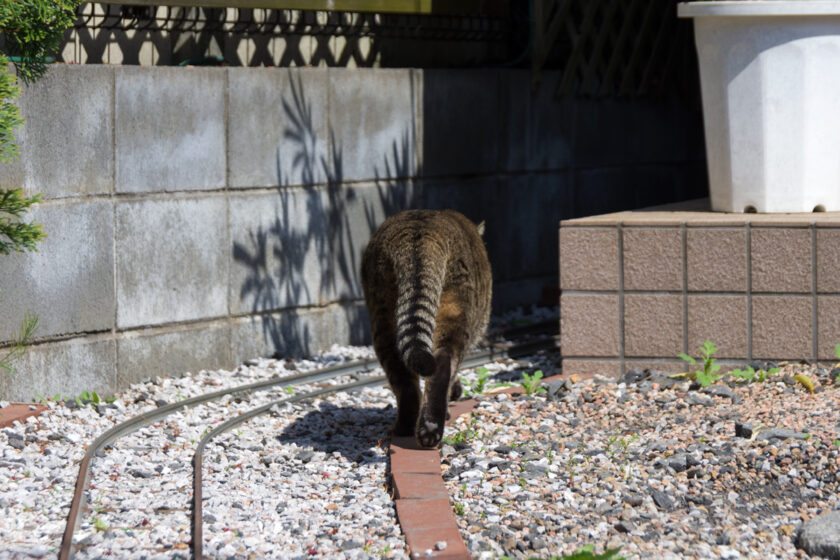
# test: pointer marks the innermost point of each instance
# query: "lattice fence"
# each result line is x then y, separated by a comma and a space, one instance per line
116, 34
614, 48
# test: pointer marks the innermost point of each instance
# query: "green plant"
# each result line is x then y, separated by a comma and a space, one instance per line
479, 386
531, 383
88, 397
99, 525
289, 390
18, 347
459, 508
463, 436
752, 375
30, 30
585, 553
708, 375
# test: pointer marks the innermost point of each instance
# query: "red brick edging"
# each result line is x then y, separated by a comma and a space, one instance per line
17, 411
422, 501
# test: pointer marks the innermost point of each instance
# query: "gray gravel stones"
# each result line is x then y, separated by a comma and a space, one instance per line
657, 470
820, 536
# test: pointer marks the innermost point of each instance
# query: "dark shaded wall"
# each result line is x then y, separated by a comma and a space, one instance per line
522, 160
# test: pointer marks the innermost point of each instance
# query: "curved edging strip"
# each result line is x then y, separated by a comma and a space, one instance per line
420, 495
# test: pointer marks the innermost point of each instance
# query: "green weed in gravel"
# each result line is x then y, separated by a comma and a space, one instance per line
531, 383
583, 553
753, 375
480, 385
708, 375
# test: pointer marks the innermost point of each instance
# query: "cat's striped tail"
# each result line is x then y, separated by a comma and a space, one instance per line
420, 286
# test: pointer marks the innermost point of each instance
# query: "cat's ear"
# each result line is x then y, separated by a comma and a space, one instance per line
480, 228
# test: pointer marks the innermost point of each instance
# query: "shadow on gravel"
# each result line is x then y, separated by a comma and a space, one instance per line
352, 431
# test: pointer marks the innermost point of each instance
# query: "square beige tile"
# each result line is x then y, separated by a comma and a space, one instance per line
721, 319
653, 325
589, 325
782, 327
716, 259
828, 327
588, 258
781, 260
607, 368
653, 259
828, 260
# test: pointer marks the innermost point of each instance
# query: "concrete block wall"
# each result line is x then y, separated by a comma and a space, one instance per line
199, 217
641, 287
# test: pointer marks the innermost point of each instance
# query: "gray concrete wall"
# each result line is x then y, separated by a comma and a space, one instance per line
199, 217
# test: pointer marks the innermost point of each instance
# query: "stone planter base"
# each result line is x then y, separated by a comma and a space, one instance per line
638, 288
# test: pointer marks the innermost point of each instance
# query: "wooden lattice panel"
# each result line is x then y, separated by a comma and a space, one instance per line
613, 48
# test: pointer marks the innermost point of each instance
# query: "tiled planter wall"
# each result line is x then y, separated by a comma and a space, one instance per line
638, 288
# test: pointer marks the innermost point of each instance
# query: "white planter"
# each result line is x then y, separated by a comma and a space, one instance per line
770, 80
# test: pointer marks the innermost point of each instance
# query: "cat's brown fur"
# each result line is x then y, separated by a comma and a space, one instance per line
427, 286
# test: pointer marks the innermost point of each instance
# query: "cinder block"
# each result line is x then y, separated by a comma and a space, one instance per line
653, 259
298, 332
828, 260
721, 319
589, 325
538, 126
588, 258
277, 127
828, 320
781, 260
460, 122
373, 124
525, 293
652, 132
716, 259
782, 327
653, 325
522, 224
144, 354
69, 282
68, 147
604, 190
172, 260
68, 367
170, 129
607, 368
280, 252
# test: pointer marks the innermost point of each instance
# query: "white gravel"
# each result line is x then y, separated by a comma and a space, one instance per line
307, 478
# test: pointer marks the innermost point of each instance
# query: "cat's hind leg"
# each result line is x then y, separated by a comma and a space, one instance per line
432, 418
406, 388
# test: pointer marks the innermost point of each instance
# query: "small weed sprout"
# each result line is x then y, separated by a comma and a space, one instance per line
99, 525
753, 375
459, 509
480, 386
586, 553
708, 375
531, 383
289, 390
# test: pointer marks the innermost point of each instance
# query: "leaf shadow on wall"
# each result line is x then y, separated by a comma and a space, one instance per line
307, 255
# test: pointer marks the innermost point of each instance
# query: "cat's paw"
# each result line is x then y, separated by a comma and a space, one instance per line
429, 433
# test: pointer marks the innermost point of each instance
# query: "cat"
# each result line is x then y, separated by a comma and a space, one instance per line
427, 285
